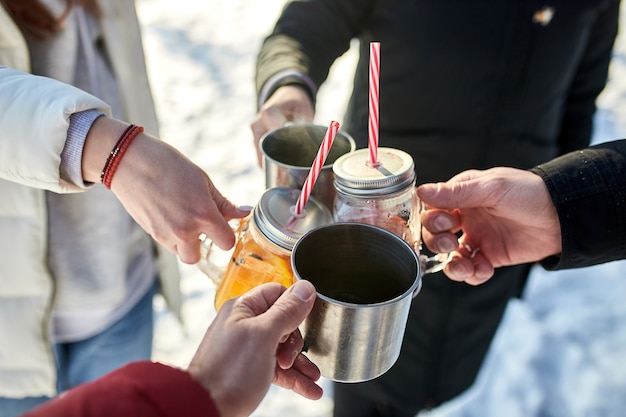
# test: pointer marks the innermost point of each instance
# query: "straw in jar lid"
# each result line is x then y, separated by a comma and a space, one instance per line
355, 175
274, 216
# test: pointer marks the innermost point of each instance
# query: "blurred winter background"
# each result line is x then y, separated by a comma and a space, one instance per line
560, 351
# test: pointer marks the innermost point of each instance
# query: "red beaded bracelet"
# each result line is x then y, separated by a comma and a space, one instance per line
117, 153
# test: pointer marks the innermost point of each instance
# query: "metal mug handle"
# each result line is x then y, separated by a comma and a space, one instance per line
430, 265
434, 263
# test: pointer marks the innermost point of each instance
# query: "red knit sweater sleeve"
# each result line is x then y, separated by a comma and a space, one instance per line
138, 389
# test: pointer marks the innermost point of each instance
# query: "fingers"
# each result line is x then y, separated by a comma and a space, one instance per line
289, 349
291, 308
439, 231
188, 252
300, 378
460, 191
260, 126
294, 370
284, 308
265, 121
468, 265
220, 210
218, 231
281, 311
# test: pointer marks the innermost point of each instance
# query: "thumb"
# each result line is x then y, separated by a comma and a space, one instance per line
291, 308
465, 193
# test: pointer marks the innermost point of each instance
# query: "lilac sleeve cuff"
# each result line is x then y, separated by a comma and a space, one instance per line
72, 155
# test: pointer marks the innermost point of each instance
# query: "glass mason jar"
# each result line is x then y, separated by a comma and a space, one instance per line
382, 195
264, 242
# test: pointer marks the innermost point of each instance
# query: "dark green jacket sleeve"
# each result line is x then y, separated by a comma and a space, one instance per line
588, 188
308, 37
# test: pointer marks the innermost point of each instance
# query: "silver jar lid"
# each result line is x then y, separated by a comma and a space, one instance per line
274, 216
354, 174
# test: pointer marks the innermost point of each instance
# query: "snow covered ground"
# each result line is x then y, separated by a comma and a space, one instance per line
560, 352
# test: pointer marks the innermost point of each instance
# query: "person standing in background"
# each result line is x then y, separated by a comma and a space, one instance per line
77, 273
463, 85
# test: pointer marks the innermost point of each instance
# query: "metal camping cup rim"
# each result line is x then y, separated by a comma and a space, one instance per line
340, 133
414, 288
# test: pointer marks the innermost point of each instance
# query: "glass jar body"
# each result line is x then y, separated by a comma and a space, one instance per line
254, 261
397, 212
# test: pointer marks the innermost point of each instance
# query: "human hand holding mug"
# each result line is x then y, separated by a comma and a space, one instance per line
287, 104
506, 216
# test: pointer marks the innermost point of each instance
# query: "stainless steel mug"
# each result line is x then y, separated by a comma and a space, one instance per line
289, 152
366, 278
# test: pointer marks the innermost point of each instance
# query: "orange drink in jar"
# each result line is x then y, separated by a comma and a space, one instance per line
265, 239
253, 263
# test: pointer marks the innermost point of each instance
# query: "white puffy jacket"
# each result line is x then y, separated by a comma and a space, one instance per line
26, 291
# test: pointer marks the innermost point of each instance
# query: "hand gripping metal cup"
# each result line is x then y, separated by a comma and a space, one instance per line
366, 278
289, 152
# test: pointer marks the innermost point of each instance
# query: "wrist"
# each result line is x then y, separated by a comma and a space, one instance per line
118, 152
100, 140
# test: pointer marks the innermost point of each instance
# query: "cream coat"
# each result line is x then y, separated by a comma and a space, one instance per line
26, 291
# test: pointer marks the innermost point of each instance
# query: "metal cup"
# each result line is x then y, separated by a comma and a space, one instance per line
366, 278
289, 152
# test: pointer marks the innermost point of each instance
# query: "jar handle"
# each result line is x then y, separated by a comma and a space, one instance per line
207, 264
209, 268
435, 263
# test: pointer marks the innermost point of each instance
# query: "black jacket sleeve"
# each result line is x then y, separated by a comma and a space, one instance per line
588, 188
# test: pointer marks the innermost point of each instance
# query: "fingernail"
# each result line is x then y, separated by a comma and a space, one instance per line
442, 223
446, 244
427, 190
303, 290
458, 271
483, 271
245, 208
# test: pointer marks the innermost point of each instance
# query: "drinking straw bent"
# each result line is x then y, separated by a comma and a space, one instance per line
318, 163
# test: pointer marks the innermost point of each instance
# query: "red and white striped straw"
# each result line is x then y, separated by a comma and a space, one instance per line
318, 163
373, 102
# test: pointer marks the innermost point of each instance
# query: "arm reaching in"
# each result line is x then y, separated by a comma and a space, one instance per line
252, 342
169, 196
506, 212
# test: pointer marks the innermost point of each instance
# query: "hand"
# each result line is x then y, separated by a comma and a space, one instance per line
170, 197
253, 341
288, 104
506, 215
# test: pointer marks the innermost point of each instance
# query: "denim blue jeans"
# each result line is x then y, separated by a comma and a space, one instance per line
129, 339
